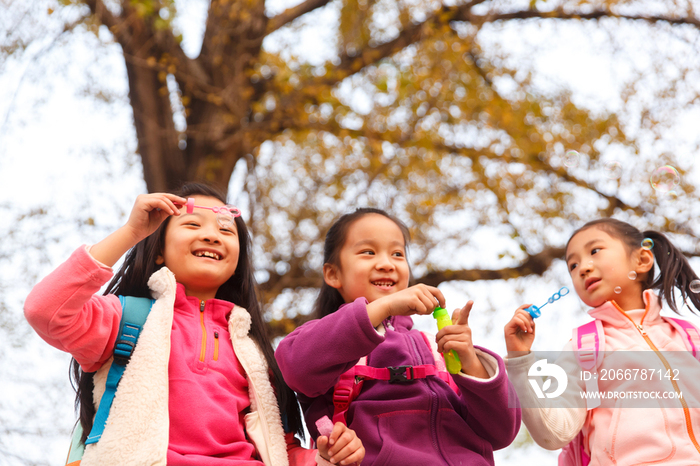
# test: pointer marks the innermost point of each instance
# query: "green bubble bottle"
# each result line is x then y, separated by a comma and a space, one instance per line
452, 362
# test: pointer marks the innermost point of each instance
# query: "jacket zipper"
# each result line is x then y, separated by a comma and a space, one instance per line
203, 351
686, 413
216, 346
434, 403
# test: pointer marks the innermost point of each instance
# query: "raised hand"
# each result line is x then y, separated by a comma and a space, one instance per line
150, 210
148, 213
418, 299
520, 332
458, 337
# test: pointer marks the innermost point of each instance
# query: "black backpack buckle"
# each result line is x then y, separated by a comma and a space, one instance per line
400, 374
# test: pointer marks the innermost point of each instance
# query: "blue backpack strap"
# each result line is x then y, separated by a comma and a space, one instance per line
134, 314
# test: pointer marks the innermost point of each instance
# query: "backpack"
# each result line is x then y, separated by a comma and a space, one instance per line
350, 383
134, 314
588, 342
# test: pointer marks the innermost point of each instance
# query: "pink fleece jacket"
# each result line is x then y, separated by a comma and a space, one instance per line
627, 433
631, 429
208, 389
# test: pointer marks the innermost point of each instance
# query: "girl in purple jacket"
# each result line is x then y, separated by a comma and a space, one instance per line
422, 416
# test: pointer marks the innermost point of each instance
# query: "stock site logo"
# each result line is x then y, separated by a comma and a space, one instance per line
542, 369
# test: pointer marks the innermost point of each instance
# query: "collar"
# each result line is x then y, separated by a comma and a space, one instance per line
610, 313
217, 310
394, 322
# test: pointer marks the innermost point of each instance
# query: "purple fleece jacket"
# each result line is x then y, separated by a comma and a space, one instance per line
423, 422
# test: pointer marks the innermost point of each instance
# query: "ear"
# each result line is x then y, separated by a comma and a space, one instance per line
331, 275
645, 261
160, 260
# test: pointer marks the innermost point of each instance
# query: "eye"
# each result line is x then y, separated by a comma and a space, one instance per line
226, 230
594, 250
398, 254
572, 266
368, 252
192, 224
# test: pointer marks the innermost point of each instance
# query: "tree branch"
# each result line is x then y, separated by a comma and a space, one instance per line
188, 70
290, 14
352, 64
465, 15
534, 265
102, 13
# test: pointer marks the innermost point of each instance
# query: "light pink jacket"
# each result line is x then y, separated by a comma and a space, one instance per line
628, 433
624, 431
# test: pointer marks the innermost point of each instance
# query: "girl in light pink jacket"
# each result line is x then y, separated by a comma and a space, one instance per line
202, 386
640, 405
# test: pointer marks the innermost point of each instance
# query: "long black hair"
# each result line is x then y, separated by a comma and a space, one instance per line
329, 299
674, 269
241, 288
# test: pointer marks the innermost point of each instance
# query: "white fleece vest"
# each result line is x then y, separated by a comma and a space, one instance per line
136, 432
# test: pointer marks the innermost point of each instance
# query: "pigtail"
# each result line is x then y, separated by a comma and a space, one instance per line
674, 272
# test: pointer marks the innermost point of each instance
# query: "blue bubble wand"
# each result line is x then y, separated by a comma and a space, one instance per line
534, 311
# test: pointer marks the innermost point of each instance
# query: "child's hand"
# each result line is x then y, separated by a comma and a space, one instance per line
150, 210
417, 299
148, 213
520, 332
458, 337
342, 447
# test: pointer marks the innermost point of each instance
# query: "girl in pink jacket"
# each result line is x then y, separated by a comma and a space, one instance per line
639, 404
202, 386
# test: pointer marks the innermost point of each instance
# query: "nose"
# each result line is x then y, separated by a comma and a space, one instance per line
586, 268
210, 235
384, 263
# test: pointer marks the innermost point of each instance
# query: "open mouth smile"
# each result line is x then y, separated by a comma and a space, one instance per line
209, 254
384, 283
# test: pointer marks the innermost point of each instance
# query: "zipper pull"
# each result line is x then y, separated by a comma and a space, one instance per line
201, 306
641, 329
216, 335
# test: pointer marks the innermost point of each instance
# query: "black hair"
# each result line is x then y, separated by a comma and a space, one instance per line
674, 269
241, 288
329, 299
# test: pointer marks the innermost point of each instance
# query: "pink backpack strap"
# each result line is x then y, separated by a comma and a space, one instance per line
348, 387
350, 383
396, 374
692, 336
588, 341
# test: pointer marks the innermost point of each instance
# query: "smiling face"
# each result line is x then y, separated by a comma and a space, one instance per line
600, 266
372, 260
202, 254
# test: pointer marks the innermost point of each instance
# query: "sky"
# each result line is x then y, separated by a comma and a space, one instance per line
69, 159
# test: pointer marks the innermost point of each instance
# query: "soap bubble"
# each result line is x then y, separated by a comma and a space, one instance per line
632, 275
618, 289
695, 286
647, 243
572, 158
665, 179
613, 170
